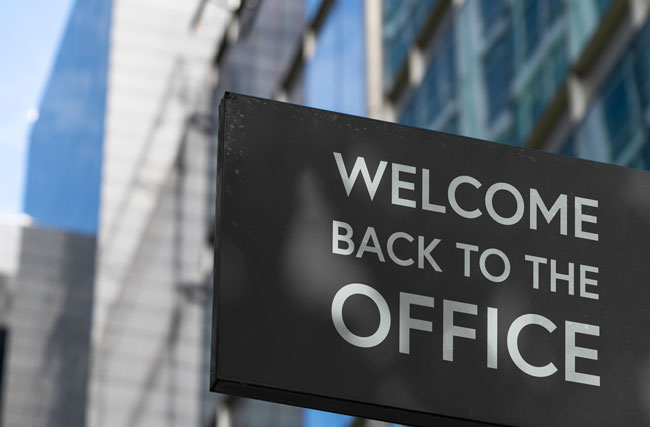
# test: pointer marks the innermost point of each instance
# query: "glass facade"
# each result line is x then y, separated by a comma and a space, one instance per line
603, 6
334, 78
617, 127
498, 73
538, 17
65, 146
311, 8
495, 66
402, 20
540, 30
431, 104
259, 57
495, 63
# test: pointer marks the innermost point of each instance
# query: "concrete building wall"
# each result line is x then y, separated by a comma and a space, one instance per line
150, 368
47, 308
147, 328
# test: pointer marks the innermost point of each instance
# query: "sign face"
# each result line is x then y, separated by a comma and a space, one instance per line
418, 277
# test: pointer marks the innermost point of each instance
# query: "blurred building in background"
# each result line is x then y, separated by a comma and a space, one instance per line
105, 283
104, 295
47, 292
150, 313
566, 76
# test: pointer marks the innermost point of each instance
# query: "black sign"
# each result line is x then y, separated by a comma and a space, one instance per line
417, 277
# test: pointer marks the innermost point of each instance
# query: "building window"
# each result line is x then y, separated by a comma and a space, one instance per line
554, 11
603, 6
492, 11
539, 16
401, 22
451, 126
619, 110
409, 114
641, 55
311, 8
532, 26
334, 77
498, 62
622, 125
541, 87
437, 91
568, 148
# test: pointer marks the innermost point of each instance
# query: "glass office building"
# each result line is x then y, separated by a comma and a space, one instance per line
64, 163
568, 76
616, 127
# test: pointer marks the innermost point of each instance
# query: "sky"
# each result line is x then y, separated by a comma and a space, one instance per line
31, 32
